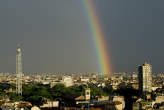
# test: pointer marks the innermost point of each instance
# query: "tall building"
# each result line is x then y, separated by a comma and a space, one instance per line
19, 71
145, 78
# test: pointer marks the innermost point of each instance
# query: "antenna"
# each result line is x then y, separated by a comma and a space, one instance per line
19, 71
19, 45
149, 61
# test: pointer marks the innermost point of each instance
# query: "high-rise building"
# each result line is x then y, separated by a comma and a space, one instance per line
145, 78
19, 71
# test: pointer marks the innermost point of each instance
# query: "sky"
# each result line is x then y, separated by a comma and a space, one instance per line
54, 35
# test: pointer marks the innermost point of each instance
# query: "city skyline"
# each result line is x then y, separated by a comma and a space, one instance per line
55, 35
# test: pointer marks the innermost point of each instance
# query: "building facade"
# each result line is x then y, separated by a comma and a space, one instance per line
87, 94
145, 78
67, 81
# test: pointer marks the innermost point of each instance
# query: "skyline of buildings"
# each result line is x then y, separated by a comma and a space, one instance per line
141, 80
116, 81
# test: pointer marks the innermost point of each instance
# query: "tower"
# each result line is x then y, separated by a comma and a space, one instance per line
19, 71
145, 78
87, 94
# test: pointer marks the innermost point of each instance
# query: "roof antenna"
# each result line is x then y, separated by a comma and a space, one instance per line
149, 60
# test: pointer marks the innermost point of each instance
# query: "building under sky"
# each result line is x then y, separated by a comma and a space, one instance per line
145, 77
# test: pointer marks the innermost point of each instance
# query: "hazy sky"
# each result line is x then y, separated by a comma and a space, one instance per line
55, 35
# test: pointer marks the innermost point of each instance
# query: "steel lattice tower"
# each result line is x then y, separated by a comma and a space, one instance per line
19, 71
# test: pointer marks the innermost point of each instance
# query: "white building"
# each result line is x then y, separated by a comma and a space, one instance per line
159, 99
50, 104
119, 99
84, 79
35, 108
67, 81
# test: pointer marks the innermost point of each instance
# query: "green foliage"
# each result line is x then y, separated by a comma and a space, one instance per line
36, 100
37, 94
78, 90
57, 91
15, 97
96, 91
2, 95
108, 89
3, 87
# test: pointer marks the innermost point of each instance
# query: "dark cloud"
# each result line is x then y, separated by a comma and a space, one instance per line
54, 34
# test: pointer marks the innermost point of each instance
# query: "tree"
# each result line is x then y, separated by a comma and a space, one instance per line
14, 97
127, 91
96, 91
57, 91
36, 100
108, 89
35, 94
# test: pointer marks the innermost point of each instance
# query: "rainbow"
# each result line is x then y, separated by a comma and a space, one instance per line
98, 37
